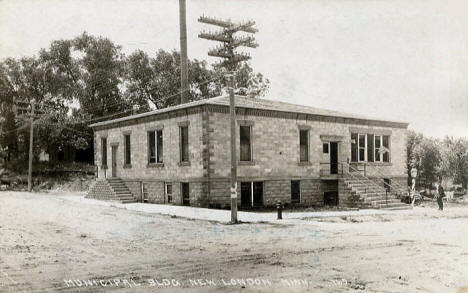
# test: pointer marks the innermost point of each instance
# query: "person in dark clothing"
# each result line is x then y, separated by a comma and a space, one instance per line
440, 193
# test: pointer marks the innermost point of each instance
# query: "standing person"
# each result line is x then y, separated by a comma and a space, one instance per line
440, 193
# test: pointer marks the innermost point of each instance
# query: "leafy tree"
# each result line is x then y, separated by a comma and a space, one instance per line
158, 79
93, 72
425, 155
455, 159
247, 81
101, 68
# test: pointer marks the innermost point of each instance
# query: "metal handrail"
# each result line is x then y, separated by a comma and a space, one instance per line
369, 180
385, 184
329, 169
391, 185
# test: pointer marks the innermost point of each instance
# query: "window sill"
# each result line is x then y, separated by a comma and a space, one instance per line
154, 165
183, 164
379, 164
127, 166
304, 163
373, 163
103, 166
246, 163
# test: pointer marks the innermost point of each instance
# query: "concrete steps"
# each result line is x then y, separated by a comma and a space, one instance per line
374, 195
121, 191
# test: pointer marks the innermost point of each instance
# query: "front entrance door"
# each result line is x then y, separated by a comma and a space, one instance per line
333, 158
114, 161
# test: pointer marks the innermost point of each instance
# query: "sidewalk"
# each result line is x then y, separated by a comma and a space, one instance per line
224, 216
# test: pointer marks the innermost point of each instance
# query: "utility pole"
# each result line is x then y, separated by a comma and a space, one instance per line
31, 137
183, 53
231, 59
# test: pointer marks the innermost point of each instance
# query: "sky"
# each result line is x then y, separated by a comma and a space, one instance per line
397, 60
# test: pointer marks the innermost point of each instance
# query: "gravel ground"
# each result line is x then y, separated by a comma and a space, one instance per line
49, 243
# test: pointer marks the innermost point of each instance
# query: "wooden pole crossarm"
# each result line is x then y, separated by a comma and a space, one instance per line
220, 37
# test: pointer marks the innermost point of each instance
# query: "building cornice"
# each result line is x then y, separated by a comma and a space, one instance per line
242, 111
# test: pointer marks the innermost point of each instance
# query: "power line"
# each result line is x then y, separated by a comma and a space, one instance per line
229, 43
162, 98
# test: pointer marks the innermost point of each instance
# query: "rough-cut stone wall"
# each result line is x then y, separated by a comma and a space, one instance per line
171, 168
275, 144
155, 175
156, 191
400, 184
275, 153
273, 191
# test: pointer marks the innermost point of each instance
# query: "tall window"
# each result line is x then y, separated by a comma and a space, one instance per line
362, 147
304, 145
104, 151
184, 144
245, 143
378, 146
354, 148
386, 145
127, 153
370, 148
382, 148
155, 146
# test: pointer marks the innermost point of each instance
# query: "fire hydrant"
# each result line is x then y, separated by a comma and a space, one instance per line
279, 209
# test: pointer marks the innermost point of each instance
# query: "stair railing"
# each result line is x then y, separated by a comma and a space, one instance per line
393, 190
364, 177
398, 191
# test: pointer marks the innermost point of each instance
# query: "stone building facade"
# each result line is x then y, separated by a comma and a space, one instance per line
294, 154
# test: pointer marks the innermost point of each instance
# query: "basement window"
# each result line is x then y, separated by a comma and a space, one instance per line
144, 192
169, 192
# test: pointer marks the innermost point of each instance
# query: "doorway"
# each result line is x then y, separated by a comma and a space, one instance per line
333, 158
185, 194
295, 191
114, 161
246, 194
257, 195
330, 198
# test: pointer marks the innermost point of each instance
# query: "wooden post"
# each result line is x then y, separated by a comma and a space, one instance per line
227, 52
31, 137
183, 53
232, 111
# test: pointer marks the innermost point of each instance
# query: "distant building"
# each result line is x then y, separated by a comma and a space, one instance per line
295, 154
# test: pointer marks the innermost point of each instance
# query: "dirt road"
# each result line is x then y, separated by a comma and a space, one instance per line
50, 244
